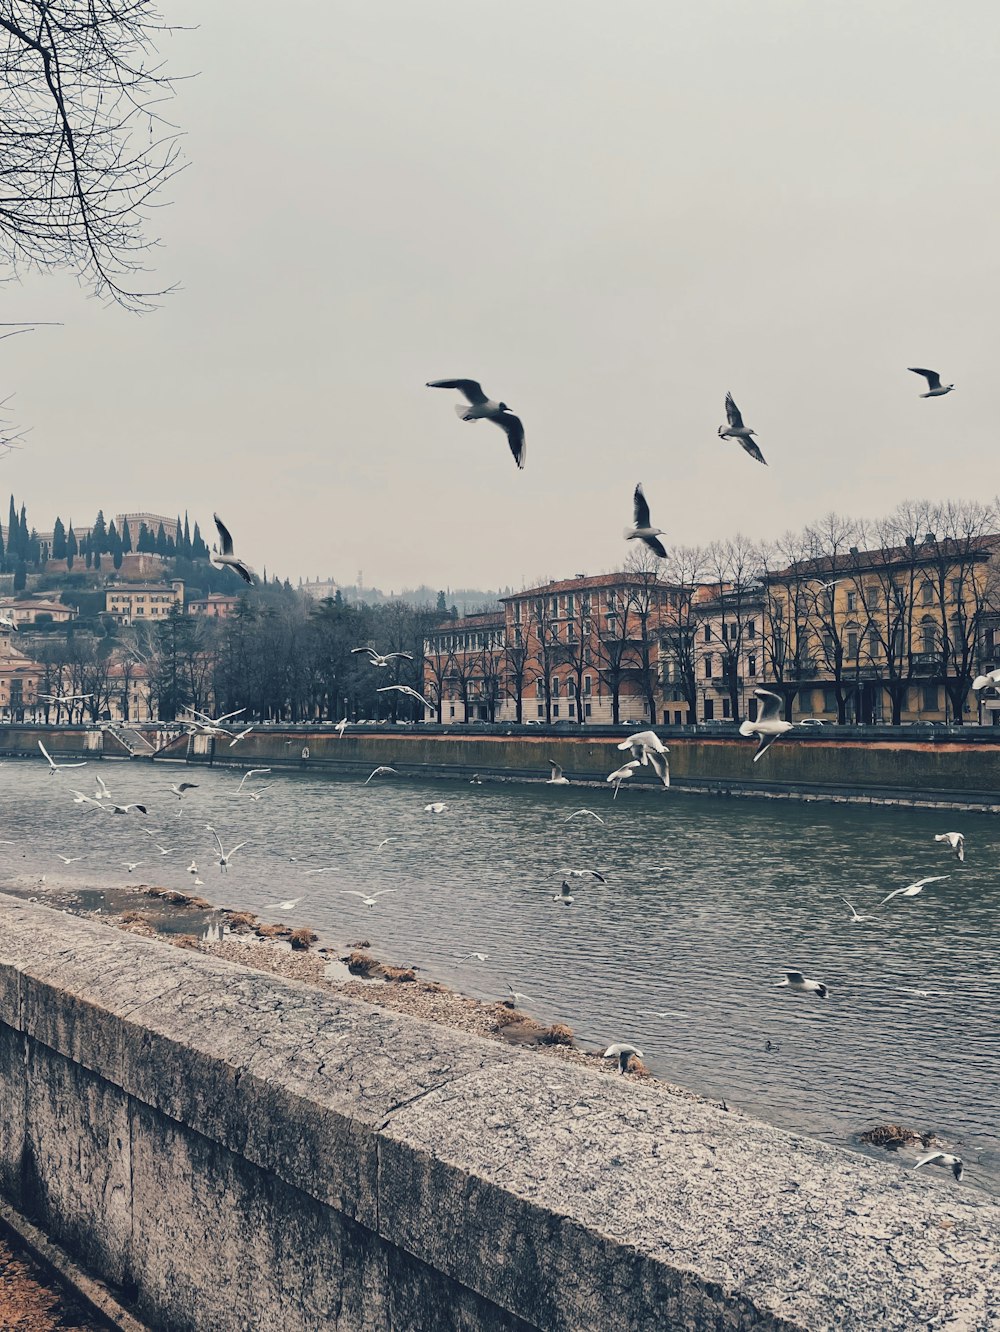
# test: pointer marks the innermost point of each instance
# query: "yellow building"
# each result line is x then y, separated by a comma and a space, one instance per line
129, 602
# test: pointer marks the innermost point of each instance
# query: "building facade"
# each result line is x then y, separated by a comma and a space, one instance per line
129, 602
37, 610
215, 606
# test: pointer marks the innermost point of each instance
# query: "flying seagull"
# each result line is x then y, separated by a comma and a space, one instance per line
564, 895
955, 840
242, 735
935, 388
227, 558
102, 792
226, 856
952, 1163
369, 899
648, 748
622, 774
131, 865
289, 905
7, 623
375, 659
435, 807
795, 980
68, 860
381, 771
112, 808
577, 812
341, 727
856, 919
989, 681
642, 530
768, 725
410, 693
737, 430
583, 873
251, 772
56, 767
623, 1053
481, 408
555, 777
912, 889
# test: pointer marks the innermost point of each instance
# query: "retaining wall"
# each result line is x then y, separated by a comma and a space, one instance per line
241, 1152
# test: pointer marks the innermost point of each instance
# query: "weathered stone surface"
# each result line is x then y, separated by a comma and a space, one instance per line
250, 1152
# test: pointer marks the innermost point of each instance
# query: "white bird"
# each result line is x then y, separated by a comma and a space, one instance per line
381, 771
912, 889
855, 918
203, 724
555, 777
67, 860
179, 788
251, 772
989, 681
475, 780
384, 842
323, 869
584, 873
576, 812
341, 727
642, 530
952, 1163
515, 996
376, 659
955, 840
479, 957
102, 792
227, 559
80, 799
482, 408
623, 1053
795, 980
369, 899
935, 388
163, 850
648, 748
56, 767
737, 430
769, 724
201, 881
436, 807
257, 795
405, 689
192, 868
288, 905
112, 808
131, 865
622, 774
242, 735
225, 856
65, 698
564, 894
7, 623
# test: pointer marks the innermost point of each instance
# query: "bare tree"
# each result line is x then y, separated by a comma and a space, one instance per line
678, 653
82, 144
734, 571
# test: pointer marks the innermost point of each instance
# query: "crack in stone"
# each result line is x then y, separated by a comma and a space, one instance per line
412, 1100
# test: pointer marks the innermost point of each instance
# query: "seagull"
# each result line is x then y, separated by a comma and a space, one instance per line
480, 957
405, 689
952, 1163
582, 874
622, 774
385, 840
242, 735
515, 996
131, 865
955, 840
163, 850
64, 698
7, 623
380, 771
226, 856
795, 980
376, 660
368, 900
555, 777
855, 918
769, 724
623, 1053
112, 808
257, 795
228, 558
989, 681
642, 530
935, 388
102, 792
437, 807
192, 868
648, 748
341, 727
80, 799
737, 430
584, 811
475, 780
323, 869
55, 767
289, 905
179, 788
67, 860
564, 894
913, 888
481, 408
251, 772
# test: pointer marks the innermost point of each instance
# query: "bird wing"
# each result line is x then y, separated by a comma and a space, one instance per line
247, 574
373, 656
656, 546
733, 413
187, 786
795, 977
766, 741
895, 893
100, 782
932, 376
850, 904
224, 537
513, 428
752, 449
641, 507
470, 387
660, 765
556, 770
934, 878
46, 753
236, 848
406, 656
771, 705
934, 1156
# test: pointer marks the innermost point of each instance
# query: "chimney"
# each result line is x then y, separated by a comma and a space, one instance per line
929, 538
854, 550
910, 542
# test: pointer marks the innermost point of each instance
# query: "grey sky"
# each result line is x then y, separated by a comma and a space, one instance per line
610, 214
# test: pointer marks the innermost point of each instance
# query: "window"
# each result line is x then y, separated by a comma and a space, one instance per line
539, 688
708, 709
928, 638
708, 666
555, 709
852, 644
751, 629
555, 686
541, 709
852, 601
926, 593
829, 700
929, 698
586, 684
572, 710
725, 707
586, 710
956, 589
751, 664
452, 710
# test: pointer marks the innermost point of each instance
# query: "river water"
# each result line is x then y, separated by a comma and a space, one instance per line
707, 902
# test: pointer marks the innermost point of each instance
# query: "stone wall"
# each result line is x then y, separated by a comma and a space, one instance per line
236, 1151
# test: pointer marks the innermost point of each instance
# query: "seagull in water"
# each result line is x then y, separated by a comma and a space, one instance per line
952, 1163
795, 980
381, 771
564, 895
737, 430
955, 840
436, 807
369, 899
769, 724
648, 748
623, 1053
855, 918
555, 777
482, 408
912, 889
642, 530
374, 659
53, 765
577, 812
227, 559
935, 388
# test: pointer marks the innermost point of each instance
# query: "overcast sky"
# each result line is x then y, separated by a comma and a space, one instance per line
610, 214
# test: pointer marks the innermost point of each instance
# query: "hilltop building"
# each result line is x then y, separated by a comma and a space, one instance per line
37, 610
143, 601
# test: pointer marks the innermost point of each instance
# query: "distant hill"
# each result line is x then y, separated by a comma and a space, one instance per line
465, 599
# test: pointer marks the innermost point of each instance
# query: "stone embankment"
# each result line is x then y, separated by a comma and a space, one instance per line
235, 1150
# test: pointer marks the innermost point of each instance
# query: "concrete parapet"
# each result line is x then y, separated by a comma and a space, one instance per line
239, 1151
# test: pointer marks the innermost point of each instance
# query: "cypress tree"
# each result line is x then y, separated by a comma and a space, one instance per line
99, 534
126, 538
58, 540
12, 528
88, 557
1, 549
161, 540
20, 576
143, 543
72, 546
23, 536
186, 547
97, 561
199, 551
